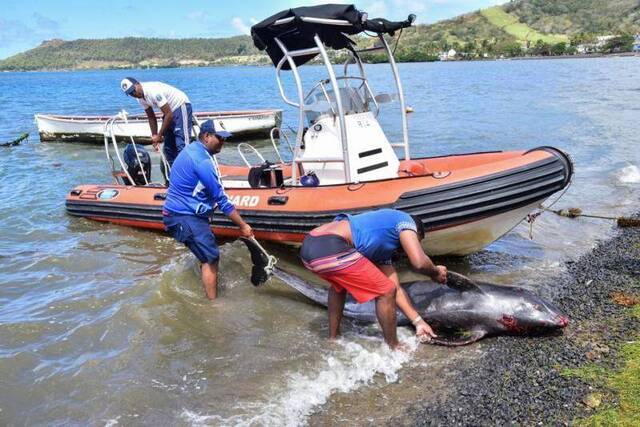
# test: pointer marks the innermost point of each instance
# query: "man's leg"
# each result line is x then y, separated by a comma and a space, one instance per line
180, 128
210, 279
386, 313
336, 306
187, 120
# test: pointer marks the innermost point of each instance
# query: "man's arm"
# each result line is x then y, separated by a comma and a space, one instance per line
153, 125
153, 121
420, 262
167, 117
406, 306
245, 229
206, 174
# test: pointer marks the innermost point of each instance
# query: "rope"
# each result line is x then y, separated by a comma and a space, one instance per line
621, 221
531, 218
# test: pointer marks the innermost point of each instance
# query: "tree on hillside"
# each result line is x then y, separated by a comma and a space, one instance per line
541, 48
582, 38
623, 43
510, 49
559, 49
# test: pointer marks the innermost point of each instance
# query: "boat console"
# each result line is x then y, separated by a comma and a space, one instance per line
338, 137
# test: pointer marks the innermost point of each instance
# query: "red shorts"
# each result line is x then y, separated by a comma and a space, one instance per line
362, 279
336, 261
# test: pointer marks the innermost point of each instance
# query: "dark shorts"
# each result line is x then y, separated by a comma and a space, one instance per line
195, 233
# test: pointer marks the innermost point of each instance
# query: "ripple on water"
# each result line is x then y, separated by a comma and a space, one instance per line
102, 324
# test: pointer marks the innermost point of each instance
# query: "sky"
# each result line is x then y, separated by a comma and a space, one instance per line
25, 24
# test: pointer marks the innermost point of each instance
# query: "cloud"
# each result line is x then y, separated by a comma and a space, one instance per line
16, 36
239, 25
46, 25
198, 16
13, 31
376, 9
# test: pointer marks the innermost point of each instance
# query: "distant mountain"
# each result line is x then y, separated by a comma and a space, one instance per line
133, 52
543, 26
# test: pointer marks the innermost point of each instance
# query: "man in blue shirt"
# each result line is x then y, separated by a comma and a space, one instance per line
195, 191
354, 253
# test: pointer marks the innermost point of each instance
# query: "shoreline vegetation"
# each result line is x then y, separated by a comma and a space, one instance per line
263, 64
519, 29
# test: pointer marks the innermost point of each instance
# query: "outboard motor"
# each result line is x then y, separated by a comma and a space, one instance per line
138, 169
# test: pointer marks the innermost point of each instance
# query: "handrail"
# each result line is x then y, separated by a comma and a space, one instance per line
115, 147
275, 146
296, 75
285, 58
403, 112
244, 159
322, 160
343, 127
135, 149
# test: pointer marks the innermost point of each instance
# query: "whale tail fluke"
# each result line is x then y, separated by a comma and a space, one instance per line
263, 263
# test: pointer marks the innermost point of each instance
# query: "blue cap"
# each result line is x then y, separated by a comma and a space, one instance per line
128, 85
209, 127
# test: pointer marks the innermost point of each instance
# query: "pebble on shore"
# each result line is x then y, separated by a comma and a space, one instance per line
520, 381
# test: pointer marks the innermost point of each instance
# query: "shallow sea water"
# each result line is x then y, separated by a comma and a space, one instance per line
106, 325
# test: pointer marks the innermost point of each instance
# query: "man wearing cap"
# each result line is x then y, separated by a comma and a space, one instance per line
176, 109
195, 191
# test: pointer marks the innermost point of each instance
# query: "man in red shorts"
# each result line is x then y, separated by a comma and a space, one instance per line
354, 254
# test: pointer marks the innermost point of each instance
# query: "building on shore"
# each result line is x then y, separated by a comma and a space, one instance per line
448, 56
636, 43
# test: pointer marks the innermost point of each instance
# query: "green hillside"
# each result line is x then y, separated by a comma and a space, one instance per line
519, 27
510, 24
132, 52
578, 16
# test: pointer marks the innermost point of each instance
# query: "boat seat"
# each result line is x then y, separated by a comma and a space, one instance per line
233, 177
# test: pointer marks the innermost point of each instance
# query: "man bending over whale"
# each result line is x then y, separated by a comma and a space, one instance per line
354, 253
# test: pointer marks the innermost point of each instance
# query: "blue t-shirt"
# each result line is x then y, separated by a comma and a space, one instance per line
376, 234
194, 187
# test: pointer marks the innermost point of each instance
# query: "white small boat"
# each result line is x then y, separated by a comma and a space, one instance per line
91, 128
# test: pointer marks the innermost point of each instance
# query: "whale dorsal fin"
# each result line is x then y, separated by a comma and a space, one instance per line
461, 283
458, 340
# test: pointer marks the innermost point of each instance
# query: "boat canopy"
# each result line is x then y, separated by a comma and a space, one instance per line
296, 29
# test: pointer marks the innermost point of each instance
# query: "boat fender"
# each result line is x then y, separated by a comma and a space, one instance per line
414, 168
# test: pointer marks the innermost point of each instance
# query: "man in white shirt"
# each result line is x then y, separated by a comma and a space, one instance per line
176, 109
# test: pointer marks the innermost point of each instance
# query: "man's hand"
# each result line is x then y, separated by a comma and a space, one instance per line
246, 230
424, 331
156, 140
439, 274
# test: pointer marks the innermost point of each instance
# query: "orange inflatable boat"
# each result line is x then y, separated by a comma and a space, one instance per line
465, 201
